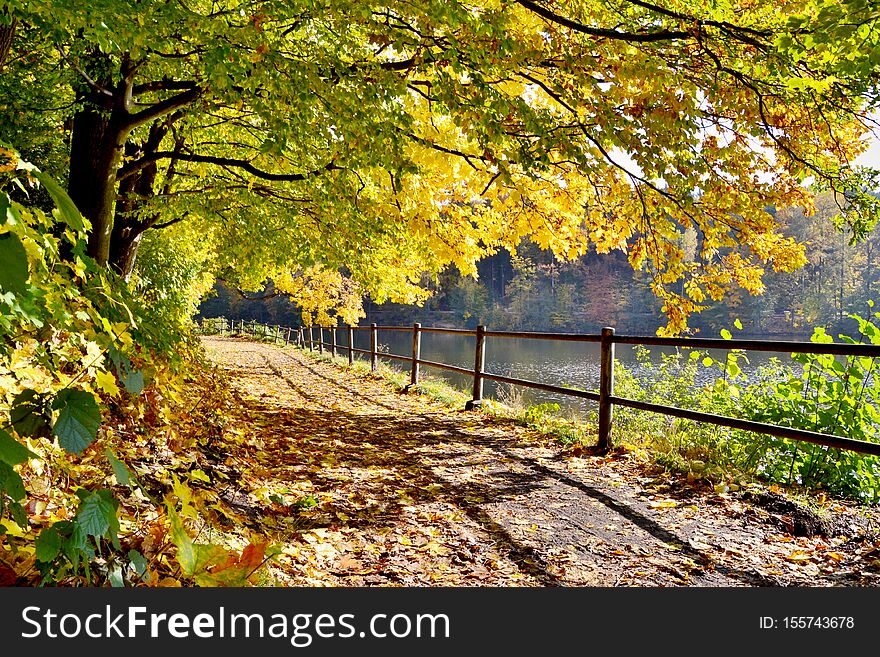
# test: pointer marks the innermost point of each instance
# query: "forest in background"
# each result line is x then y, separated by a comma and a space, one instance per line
532, 290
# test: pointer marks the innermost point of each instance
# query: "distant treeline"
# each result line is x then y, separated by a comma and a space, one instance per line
533, 291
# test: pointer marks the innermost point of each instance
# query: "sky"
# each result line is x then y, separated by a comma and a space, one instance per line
871, 157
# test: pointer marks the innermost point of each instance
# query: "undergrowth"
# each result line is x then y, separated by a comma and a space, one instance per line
107, 414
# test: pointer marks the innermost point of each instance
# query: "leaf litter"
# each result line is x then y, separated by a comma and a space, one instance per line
356, 483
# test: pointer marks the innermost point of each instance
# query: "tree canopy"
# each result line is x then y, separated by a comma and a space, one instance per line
347, 147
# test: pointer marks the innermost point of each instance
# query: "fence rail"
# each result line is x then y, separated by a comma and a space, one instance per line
304, 337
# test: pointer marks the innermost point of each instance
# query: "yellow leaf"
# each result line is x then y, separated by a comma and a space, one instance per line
436, 549
199, 475
107, 382
799, 556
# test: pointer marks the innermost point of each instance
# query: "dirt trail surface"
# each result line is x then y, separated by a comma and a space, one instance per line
405, 491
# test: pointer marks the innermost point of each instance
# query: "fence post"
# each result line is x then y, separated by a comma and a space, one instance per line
479, 363
606, 388
311, 340
416, 354
350, 346
287, 337
277, 334
333, 341
320, 339
374, 346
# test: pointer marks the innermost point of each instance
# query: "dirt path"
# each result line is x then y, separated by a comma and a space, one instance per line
409, 492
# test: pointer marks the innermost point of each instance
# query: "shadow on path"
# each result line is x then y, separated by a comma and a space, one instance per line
376, 455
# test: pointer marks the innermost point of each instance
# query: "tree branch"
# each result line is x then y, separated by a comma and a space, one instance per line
166, 224
162, 108
223, 162
604, 33
405, 65
163, 85
95, 86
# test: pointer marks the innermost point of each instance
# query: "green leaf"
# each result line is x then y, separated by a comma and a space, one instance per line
27, 413
19, 515
123, 476
12, 451
11, 483
96, 514
185, 553
4, 207
13, 264
115, 576
708, 361
78, 422
133, 381
48, 545
67, 209
138, 562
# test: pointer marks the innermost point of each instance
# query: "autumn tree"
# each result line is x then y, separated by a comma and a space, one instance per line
299, 141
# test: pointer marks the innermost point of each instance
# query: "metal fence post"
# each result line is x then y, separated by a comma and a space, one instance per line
479, 364
320, 339
350, 346
374, 346
416, 354
606, 388
333, 341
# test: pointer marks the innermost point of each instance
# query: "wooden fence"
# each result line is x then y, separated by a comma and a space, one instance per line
313, 338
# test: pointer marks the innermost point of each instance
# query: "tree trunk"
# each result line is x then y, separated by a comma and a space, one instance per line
127, 228
95, 156
7, 32
123, 254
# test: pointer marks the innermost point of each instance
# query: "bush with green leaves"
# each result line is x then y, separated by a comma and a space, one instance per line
827, 394
69, 334
823, 393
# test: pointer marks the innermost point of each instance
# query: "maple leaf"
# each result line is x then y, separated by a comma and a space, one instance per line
106, 381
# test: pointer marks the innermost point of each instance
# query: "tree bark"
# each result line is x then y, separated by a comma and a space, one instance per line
128, 229
7, 32
95, 155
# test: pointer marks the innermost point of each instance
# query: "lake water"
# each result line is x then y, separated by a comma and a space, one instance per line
545, 361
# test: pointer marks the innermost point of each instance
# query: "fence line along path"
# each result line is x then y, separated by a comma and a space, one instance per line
313, 338
384, 488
